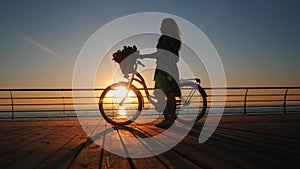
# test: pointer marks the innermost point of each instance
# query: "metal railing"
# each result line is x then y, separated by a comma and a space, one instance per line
58, 103
280, 98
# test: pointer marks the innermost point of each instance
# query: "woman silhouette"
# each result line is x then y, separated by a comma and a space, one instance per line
166, 74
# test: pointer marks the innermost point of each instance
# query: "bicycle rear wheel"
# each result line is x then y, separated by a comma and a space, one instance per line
120, 103
193, 102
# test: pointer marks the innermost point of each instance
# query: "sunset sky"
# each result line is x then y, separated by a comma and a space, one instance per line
257, 41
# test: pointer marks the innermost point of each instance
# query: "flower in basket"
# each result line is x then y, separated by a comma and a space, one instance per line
126, 59
120, 55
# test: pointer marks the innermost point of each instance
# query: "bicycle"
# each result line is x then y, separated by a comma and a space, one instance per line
121, 103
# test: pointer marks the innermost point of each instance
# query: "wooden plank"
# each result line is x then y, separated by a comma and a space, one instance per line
19, 148
13, 133
63, 156
90, 155
112, 142
171, 158
133, 146
208, 154
40, 149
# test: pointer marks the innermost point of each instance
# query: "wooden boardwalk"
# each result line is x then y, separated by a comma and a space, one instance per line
252, 141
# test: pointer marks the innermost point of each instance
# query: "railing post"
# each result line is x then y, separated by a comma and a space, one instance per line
245, 102
12, 105
284, 100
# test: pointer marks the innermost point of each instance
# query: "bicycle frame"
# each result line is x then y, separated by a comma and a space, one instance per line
142, 81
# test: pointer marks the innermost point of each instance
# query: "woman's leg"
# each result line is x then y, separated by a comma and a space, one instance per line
169, 113
172, 107
170, 110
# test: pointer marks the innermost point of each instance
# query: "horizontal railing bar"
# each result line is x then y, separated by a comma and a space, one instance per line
40, 117
241, 101
5, 104
53, 110
240, 95
5, 98
250, 106
53, 98
74, 116
51, 89
227, 106
254, 100
219, 95
243, 88
265, 95
209, 101
241, 106
209, 95
72, 110
45, 104
272, 94
250, 100
26, 98
97, 89
41, 110
143, 96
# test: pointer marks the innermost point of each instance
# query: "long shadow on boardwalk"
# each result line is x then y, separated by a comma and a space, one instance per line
260, 141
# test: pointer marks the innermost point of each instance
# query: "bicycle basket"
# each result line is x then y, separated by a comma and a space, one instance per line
126, 59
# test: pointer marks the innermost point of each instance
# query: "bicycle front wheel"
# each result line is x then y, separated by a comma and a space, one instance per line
193, 102
120, 103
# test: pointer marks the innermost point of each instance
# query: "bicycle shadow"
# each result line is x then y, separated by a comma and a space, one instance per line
135, 131
71, 155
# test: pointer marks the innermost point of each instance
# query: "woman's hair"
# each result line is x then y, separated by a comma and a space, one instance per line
170, 28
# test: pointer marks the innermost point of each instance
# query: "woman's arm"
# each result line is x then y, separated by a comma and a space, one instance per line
149, 55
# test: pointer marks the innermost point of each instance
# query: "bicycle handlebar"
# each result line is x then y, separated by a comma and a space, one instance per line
140, 63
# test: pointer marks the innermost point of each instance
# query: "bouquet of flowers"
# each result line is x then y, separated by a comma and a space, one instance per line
120, 55
126, 58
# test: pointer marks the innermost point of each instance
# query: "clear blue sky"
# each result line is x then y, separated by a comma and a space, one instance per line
258, 41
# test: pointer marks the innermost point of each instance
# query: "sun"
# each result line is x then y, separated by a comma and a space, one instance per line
123, 99
119, 93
